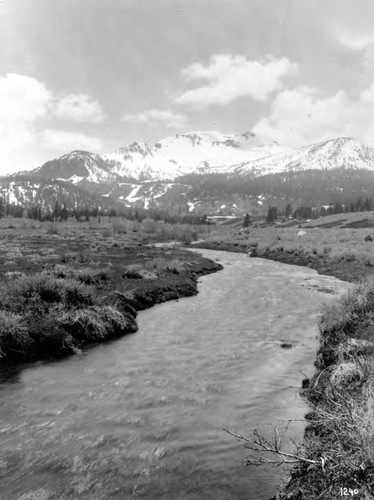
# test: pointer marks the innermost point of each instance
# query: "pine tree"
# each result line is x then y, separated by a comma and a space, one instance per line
247, 220
272, 215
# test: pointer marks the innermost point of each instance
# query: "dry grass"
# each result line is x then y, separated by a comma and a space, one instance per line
336, 242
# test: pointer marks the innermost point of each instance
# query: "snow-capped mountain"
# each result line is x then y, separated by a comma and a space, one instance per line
195, 152
76, 167
335, 153
211, 171
204, 153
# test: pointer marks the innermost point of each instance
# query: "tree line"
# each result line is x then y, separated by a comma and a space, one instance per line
60, 212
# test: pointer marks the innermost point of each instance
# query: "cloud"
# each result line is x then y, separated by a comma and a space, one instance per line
27, 116
157, 117
360, 43
64, 140
80, 108
302, 116
229, 77
22, 99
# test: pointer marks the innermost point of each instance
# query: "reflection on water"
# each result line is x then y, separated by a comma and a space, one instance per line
142, 417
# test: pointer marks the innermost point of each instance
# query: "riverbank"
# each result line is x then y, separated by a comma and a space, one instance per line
338, 447
339, 438
345, 269
56, 307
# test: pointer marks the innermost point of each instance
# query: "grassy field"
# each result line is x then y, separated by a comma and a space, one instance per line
341, 245
66, 285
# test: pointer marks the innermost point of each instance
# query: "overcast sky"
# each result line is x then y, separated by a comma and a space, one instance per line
99, 74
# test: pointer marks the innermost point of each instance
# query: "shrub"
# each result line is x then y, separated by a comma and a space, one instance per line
122, 301
14, 275
50, 338
115, 322
84, 325
97, 323
83, 257
46, 287
133, 271
77, 294
161, 265
63, 272
119, 227
14, 336
92, 276
349, 256
149, 226
68, 257
53, 229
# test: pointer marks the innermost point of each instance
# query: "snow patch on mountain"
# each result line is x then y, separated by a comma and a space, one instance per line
183, 154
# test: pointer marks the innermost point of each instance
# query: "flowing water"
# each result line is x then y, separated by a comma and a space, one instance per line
143, 417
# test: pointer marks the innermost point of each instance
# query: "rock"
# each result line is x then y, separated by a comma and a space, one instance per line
305, 383
368, 238
286, 345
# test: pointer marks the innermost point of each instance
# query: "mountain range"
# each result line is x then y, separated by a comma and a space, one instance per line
206, 172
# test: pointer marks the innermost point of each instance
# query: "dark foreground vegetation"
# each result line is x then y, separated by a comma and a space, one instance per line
339, 438
61, 290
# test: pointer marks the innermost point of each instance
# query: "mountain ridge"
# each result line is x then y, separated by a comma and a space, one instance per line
210, 171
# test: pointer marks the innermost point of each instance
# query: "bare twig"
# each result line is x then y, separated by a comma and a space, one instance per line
262, 444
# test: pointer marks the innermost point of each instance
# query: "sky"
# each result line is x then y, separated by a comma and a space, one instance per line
100, 74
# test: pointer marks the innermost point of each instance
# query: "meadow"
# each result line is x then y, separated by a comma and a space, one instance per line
341, 245
64, 285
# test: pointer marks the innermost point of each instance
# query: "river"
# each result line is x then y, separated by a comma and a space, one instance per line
142, 417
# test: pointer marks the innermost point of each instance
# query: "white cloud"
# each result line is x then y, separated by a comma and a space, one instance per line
302, 116
359, 43
229, 77
64, 141
80, 108
157, 117
27, 138
22, 99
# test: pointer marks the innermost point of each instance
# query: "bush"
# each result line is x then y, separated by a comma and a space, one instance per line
161, 265
123, 302
349, 256
81, 257
92, 276
27, 289
86, 275
14, 336
84, 325
133, 271
36, 294
97, 323
53, 229
119, 227
149, 226
63, 272
77, 294
50, 338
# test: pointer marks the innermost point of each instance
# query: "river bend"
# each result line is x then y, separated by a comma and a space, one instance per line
142, 417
